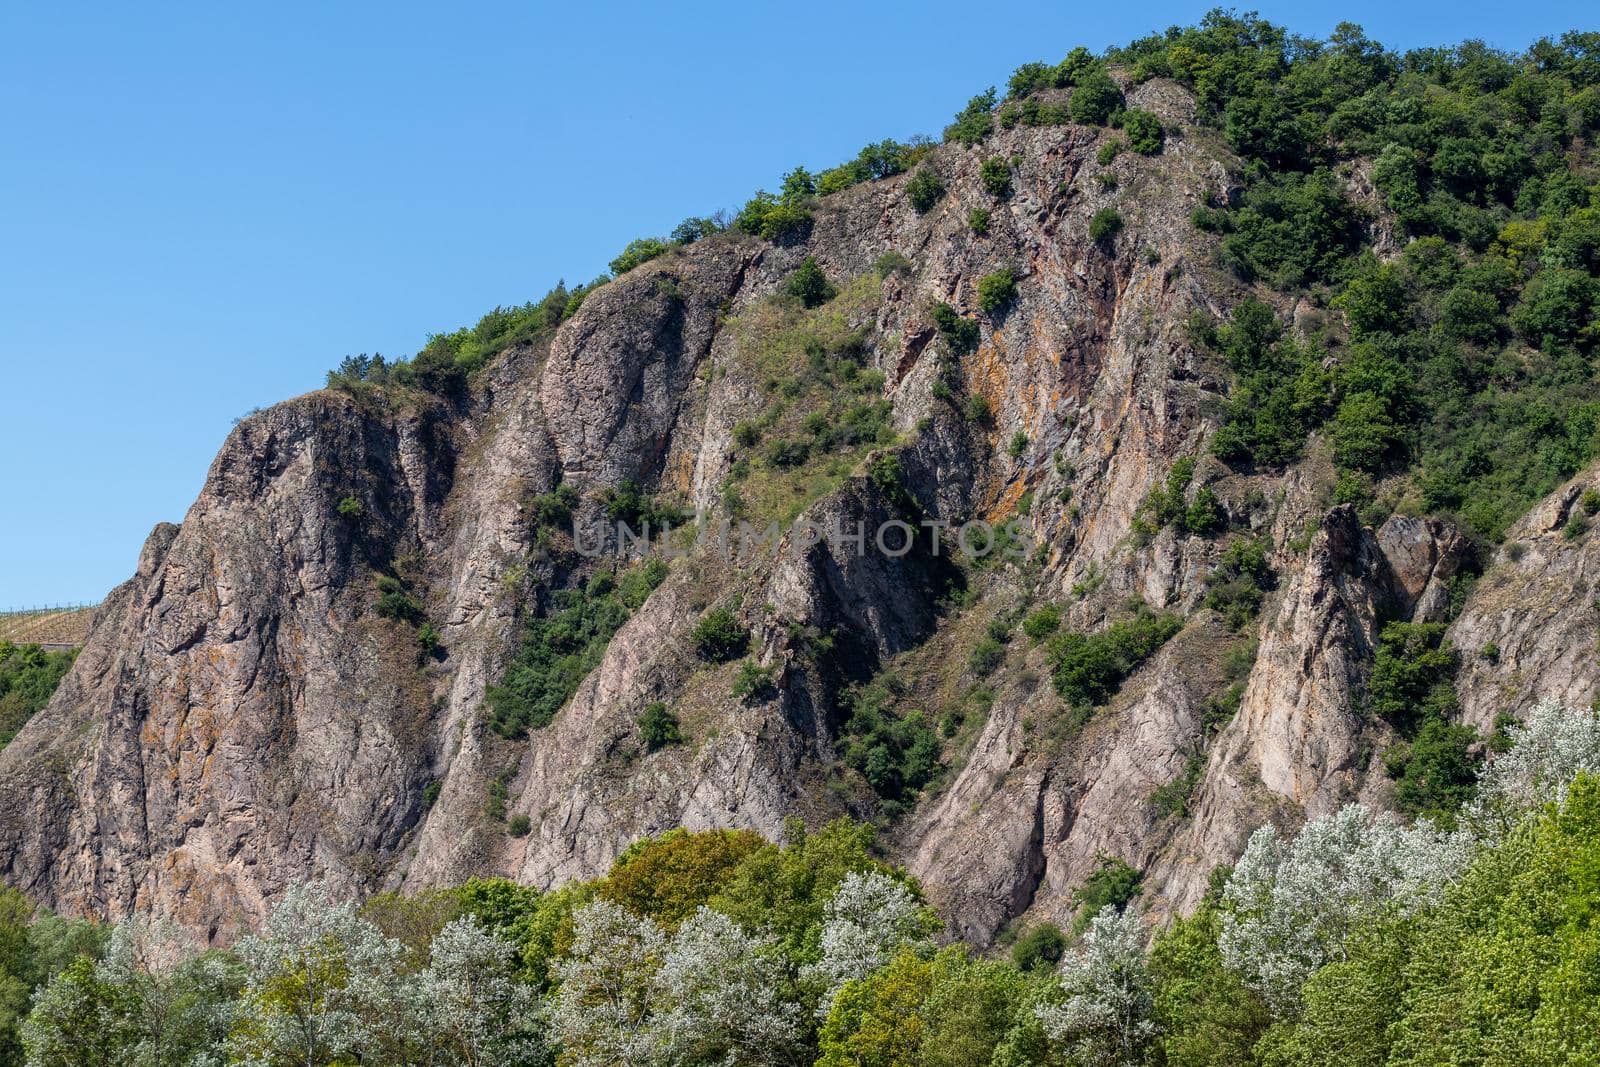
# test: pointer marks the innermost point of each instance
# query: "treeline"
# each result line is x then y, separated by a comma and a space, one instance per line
1357, 940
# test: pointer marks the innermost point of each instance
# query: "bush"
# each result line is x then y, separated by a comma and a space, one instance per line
658, 727
1041, 622
351, 507
996, 290
977, 409
28, 677
641, 250
924, 189
1240, 580
1144, 131
1108, 155
1113, 883
1029, 79
719, 637
1436, 773
1040, 949
896, 752
560, 647
809, 285
1095, 99
554, 509
396, 602
765, 216
974, 121
1018, 445
1105, 225
960, 335
995, 173
519, 825
694, 229
753, 683
978, 220
1413, 675
1088, 669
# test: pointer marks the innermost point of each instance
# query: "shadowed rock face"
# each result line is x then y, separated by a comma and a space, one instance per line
242, 717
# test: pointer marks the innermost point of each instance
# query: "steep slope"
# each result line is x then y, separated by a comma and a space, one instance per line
298, 681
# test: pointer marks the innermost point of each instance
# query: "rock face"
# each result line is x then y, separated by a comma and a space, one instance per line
243, 716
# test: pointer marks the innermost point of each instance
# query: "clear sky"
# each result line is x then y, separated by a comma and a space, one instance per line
203, 208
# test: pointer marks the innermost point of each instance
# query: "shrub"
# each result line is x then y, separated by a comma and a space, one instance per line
1029, 79
1041, 622
1105, 225
1095, 98
519, 825
1436, 773
658, 727
719, 637
1018, 445
1144, 131
897, 753
554, 509
995, 173
694, 229
1575, 528
561, 647
1108, 154
1413, 675
924, 189
396, 602
1113, 883
766, 216
960, 335
978, 220
1089, 668
973, 122
1040, 949
351, 507
977, 409
753, 683
1590, 501
29, 676
809, 285
640, 250
1237, 584
892, 263
996, 290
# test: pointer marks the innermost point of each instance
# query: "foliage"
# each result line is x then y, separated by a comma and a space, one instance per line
719, 636
658, 727
973, 123
1291, 905
924, 189
1280, 392
1534, 766
1041, 622
997, 290
1144, 131
28, 677
1242, 577
995, 174
960, 335
668, 878
978, 220
894, 749
1105, 225
764, 215
1112, 884
562, 645
1109, 995
1435, 773
1095, 98
639, 251
1088, 669
1413, 675
809, 285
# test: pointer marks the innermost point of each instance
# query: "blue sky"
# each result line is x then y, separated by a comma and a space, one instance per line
203, 208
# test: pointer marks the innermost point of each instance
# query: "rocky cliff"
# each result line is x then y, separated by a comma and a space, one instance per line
242, 716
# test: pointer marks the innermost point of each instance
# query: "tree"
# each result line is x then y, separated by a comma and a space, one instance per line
473, 1010
719, 996
667, 878
601, 1011
1144, 131
924, 189
82, 1020
1291, 905
869, 919
658, 727
996, 290
809, 285
1106, 1015
718, 637
639, 251
320, 983
1546, 753
1095, 98
1105, 225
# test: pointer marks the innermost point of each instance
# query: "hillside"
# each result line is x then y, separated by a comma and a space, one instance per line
1284, 353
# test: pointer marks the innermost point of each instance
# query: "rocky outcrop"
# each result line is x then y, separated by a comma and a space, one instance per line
243, 715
